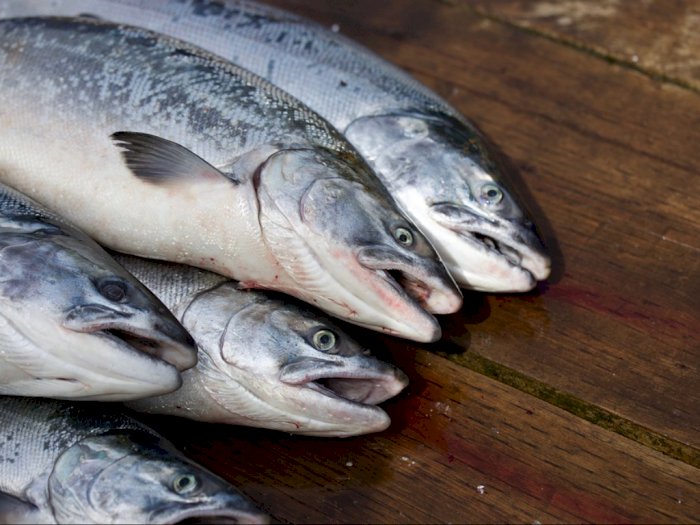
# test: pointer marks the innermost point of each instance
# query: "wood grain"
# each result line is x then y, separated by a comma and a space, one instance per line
610, 157
462, 449
657, 36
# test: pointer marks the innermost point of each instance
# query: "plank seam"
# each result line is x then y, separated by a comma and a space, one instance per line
578, 46
576, 406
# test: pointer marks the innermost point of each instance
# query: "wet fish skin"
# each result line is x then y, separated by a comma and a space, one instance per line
264, 362
209, 137
68, 462
436, 164
74, 323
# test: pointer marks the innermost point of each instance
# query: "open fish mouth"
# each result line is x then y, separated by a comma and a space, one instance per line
409, 288
355, 390
415, 288
426, 284
212, 503
494, 245
507, 246
356, 387
519, 254
138, 342
149, 342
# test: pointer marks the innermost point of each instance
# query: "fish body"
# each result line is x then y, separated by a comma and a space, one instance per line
89, 463
74, 323
158, 149
436, 164
264, 362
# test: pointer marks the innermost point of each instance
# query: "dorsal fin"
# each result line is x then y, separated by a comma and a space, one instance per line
161, 161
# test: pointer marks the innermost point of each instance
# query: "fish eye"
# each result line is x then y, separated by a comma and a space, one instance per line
491, 194
113, 290
185, 483
403, 236
413, 128
324, 340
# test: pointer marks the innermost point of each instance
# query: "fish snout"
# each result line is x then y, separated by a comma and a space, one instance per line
391, 386
535, 257
436, 289
176, 345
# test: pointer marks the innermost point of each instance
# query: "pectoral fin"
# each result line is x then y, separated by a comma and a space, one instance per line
161, 161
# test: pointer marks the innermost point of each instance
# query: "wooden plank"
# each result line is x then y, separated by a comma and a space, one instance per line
611, 157
658, 36
462, 448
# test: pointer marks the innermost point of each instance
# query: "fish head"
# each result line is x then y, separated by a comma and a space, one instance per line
132, 476
115, 303
347, 247
97, 325
299, 372
441, 170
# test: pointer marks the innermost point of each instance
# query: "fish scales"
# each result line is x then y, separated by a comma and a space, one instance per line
362, 83
436, 163
54, 427
275, 197
174, 284
157, 89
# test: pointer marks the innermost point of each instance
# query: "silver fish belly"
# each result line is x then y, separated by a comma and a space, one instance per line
159, 149
436, 164
87, 463
264, 362
73, 323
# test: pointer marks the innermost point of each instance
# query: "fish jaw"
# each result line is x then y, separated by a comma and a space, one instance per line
346, 398
343, 382
441, 172
378, 301
63, 364
98, 353
224, 515
332, 401
502, 255
224, 507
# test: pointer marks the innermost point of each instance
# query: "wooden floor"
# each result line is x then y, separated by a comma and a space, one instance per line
579, 402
